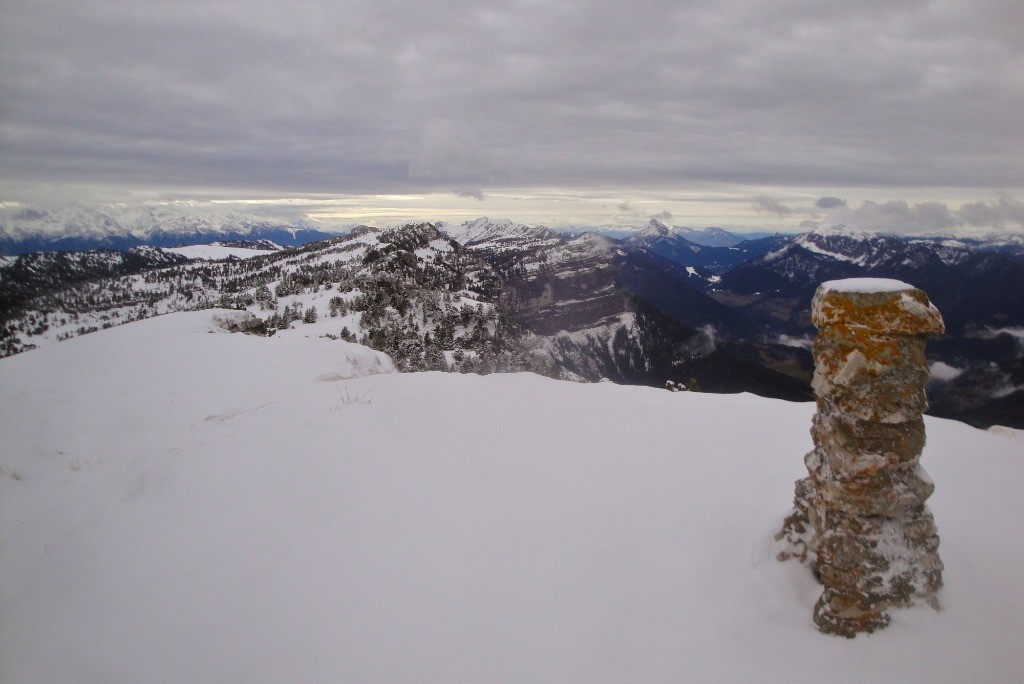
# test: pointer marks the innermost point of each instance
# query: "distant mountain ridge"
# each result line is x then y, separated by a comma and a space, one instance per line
672, 244
122, 228
497, 232
508, 297
499, 295
797, 266
712, 236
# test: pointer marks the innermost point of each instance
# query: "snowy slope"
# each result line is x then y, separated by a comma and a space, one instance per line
182, 504
215, 252
483, 233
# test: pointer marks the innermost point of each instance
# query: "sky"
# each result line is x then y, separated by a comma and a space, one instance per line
773, 114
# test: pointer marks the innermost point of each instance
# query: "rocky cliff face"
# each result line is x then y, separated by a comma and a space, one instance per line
608, 309
569, 288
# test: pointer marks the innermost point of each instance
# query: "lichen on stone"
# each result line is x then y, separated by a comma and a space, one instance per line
860, 516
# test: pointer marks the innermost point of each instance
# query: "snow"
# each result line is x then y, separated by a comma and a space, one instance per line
654, 228
590, 243
215, 252
843, 231
810, 246
484, 231
183, 504
1004, 238
804, 342
866, 285
943, 372
690, 270
431, 250
1006, 432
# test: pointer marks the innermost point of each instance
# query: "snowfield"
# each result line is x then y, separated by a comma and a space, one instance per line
215, 252
181, 504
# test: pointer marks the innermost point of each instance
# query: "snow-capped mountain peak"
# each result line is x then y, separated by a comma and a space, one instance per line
484, 230
845, 231
655, 228
72, 222
842, 243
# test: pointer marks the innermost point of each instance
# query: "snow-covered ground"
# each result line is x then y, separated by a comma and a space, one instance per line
215, 251
183, 504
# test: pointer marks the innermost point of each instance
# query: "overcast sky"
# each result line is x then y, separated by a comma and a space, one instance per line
771, 113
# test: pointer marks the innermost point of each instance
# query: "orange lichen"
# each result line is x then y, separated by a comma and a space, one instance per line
900, 313
861, 510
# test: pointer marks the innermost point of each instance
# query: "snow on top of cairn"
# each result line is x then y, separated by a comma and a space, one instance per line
866, 285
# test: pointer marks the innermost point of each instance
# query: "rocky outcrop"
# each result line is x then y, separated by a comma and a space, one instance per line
860, 515
240, 321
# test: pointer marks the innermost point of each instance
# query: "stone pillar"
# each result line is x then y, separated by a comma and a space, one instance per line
861, 513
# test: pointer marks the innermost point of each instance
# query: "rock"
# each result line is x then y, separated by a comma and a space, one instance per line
860, 516
240, 321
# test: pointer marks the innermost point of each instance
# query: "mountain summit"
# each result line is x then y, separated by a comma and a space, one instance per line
656, 229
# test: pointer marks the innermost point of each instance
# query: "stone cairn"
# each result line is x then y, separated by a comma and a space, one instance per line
860, 517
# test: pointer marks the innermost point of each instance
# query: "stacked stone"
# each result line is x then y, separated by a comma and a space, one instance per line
862, 509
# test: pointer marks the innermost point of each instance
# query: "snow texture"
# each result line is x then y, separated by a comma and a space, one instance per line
807, 243
180, 504
214, 252
865, 285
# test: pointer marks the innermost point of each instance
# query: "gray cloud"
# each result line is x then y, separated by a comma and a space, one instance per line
662, 216
1006, 212
475, 193
770, 205
385, 96
898, 216
829, 203
450, 153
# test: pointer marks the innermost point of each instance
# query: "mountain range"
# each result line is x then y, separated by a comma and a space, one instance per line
124, 227
77, 228
654, 308
712, 236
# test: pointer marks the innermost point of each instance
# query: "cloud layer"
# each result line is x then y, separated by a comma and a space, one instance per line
930, 217
382, 96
